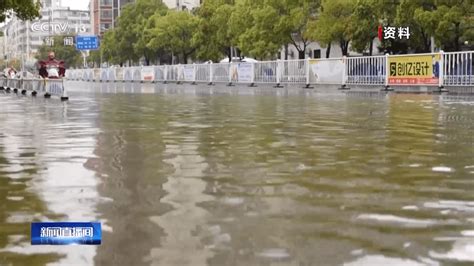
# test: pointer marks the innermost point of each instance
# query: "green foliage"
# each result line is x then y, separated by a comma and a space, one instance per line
332, 23
129, 35
111, 50
266, 26
69, 54
455, 23
94, 58
173, 33
23, 9
363, 28
214, 35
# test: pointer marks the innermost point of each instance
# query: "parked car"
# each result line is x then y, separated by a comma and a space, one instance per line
238, 60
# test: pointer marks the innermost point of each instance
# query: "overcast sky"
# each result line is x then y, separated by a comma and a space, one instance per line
76, 4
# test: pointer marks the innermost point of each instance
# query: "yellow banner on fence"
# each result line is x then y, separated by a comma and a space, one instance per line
414, 70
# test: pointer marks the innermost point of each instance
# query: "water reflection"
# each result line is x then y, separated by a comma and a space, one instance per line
42, 174
206, 176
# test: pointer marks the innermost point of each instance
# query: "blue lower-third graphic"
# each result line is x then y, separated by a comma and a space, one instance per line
63, 233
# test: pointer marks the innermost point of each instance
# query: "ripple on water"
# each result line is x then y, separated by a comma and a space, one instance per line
405, 222
442, 169
462, 250
274, 253
382, 260
463, 206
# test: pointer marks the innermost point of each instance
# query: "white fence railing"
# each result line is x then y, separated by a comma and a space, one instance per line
435, 69
50, 87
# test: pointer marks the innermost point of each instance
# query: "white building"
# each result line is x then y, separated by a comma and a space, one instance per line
23, 38
314, 50
182, 4
2, 48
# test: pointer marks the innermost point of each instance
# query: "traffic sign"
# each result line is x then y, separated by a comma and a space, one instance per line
87, 42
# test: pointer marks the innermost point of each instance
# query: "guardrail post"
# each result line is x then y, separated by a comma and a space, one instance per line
23, 90
178, 81
252, 78
307, 70
344, 74
194, 73
230, 74
210, 74
278, 70
64, 96
441, 72
387, 73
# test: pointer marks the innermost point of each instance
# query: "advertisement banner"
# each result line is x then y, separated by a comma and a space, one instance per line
127, 74
414, 70
326, 71
148, 74
111, 74
104, 74
244, 72
96, 75
188, 73
119, 73
90, 75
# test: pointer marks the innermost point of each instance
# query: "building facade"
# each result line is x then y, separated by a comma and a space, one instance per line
23, 38
182, 4
104, 14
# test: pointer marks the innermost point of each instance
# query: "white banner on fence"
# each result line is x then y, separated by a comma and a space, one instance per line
188, 72
96, 75
111, 74
104, 74
244, 72
148, 74
127, 74
326, 71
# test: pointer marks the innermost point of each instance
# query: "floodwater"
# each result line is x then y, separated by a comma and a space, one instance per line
188, 178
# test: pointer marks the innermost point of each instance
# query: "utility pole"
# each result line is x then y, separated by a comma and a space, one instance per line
49, 22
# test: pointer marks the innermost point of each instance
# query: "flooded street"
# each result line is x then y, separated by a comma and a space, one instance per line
197, 179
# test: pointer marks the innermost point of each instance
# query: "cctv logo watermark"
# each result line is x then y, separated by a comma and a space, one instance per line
56, 27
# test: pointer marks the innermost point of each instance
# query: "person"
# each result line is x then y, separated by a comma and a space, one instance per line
52, 68
11, 72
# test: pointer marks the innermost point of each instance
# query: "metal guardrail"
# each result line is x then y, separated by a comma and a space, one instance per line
435, 69
458, 69
49, 87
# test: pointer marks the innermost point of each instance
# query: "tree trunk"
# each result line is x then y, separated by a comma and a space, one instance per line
229, 54
456, 37
300, 54
185, 58
286, 51
344, 46
328, 50
371, 47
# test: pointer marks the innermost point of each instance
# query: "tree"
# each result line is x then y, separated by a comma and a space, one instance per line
418, 16
332, 23
23, 9
214, 36
173, 33
110, 50
129, 35
364, 24
71, 56
455, 23
143, 10
272, 24
94, 57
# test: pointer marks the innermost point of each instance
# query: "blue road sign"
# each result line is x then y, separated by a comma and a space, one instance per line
87, 42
